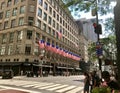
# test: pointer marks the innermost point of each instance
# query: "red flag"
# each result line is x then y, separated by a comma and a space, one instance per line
41, 44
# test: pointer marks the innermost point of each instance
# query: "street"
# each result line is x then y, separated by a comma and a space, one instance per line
50, 84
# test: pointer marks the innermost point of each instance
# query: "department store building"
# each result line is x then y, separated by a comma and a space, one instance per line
38, 35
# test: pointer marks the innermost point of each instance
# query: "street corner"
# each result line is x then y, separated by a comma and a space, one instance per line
12, 91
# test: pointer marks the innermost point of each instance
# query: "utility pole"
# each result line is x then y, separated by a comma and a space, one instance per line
98, 40
98, 31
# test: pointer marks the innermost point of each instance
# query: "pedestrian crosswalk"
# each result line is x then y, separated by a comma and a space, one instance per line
47, 86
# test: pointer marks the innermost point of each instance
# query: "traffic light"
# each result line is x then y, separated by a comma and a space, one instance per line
97, 28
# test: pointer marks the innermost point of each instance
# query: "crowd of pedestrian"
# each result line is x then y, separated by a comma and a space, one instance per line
92, 80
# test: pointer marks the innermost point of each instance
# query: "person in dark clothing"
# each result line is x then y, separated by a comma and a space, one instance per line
114, 85
86, 82
95, 80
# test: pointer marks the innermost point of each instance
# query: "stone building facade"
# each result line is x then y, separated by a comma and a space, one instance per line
24, 24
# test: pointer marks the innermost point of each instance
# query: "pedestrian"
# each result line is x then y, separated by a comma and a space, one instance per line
113, 84
86, 82
95, 80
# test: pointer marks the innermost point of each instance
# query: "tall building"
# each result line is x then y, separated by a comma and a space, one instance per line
87, 36
38, 35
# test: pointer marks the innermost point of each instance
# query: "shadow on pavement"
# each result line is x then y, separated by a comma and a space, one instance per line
78, 80
12, 91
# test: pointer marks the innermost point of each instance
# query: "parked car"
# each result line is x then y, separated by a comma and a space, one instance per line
30, 74
7, 74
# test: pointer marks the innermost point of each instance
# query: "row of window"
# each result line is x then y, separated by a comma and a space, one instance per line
19, 38
13, 22
51, 22
14, 12
9, 3
64, 21
54, 23
54, 32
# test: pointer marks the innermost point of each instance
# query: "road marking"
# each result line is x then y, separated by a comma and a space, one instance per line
43, 84
55, 88
6, 87
75, 90
65, 89
49, 86
30, 85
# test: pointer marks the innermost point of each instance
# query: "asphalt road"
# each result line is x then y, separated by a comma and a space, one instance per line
50, 84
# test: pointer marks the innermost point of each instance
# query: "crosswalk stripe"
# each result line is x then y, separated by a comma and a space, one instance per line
51, 89
49, 86
75, 90
6, 87
65, 89
42, 85
30, 85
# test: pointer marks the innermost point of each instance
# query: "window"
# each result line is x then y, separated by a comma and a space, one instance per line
19, 35
44, 27
57, 17
6, 25
60, 20
11, 38
4, 38
10, 49
54, 14
9, 3
1, 15
7, 14
45, 17
2, 5
53, 32
30, 20
2, 50
29, 34
40, 2
37, 37
38, 23
21, 21
14, 11
54, 23
49, 20
22, 9
49, 30
18, 49
57, 26
36, 50
50, 10
32, 8
45, 6
13, 23
39, 12
27, 49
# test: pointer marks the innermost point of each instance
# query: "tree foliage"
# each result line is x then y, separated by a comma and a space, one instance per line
103, 7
